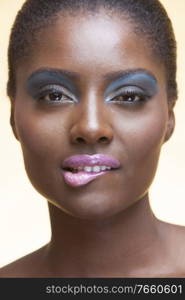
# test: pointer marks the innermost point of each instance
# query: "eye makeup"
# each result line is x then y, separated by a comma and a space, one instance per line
42, 80
129, 95
133, 86
140, 80
54, 94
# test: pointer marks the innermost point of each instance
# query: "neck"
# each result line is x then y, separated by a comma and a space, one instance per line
86, 248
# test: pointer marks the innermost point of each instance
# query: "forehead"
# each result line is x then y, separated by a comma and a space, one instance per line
92, 45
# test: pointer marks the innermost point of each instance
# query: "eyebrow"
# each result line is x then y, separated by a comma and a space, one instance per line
51, 71
141, 78
118, 74
74, 75
52, 76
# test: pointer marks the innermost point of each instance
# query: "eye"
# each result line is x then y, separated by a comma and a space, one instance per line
130, 96
54, 97
54, 94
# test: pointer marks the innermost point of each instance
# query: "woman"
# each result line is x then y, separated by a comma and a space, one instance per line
93, 87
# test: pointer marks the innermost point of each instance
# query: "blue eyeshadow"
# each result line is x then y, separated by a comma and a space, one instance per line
141, 79
138, 78
42, 78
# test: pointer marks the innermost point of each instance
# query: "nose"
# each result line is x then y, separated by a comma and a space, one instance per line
92, 124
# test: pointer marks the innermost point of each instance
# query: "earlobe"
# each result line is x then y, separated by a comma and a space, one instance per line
171, 125
12, 122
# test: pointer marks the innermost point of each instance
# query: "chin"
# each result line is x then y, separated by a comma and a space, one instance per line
94, 208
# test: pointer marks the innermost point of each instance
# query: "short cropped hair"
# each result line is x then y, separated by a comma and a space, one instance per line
148, 17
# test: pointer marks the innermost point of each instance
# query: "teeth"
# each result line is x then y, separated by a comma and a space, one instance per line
87, 169
103, 168
95, 169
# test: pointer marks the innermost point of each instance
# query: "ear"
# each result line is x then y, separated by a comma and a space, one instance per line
171, 121
12, 120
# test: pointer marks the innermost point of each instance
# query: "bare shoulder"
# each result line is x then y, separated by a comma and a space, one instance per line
174, 235
30, 265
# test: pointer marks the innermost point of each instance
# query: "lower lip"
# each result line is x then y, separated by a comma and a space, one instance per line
81, 178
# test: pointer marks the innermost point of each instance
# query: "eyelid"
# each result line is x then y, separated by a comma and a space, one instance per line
131, 88
53, 88
140, 78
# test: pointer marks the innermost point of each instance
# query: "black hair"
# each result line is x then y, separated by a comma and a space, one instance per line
148, 17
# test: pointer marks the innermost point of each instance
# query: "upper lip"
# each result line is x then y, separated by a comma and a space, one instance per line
76, 161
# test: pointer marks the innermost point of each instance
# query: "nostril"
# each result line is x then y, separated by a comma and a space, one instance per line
80, 140
103, 139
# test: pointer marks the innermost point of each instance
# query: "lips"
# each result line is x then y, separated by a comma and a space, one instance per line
81, 169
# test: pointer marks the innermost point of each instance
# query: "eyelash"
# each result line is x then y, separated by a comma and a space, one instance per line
124, 97
57, 92
126, 94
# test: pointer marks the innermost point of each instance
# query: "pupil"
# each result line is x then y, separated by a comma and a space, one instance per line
55, 97
131, 98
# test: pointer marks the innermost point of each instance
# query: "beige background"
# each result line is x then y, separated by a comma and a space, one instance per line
24, 222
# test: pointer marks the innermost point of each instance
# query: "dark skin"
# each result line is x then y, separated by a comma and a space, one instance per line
105, 228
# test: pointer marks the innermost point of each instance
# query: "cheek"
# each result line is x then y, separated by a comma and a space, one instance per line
147, 138
43, 142
40, 136
143, 131
142, 138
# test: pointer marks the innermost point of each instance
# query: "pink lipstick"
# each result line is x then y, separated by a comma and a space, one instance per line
79, 170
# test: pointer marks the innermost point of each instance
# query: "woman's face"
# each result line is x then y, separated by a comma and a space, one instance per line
91, 86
